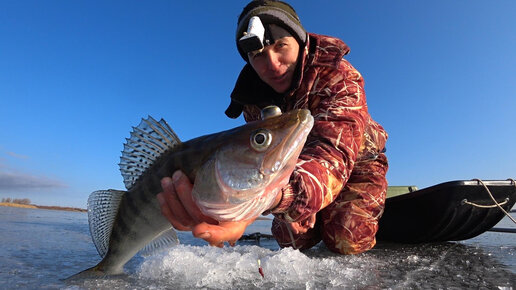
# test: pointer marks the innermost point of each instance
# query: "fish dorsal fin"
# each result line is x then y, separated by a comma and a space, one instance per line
165, 240
147, 143
102, 209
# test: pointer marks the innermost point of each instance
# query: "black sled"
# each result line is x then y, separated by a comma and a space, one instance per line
450, 211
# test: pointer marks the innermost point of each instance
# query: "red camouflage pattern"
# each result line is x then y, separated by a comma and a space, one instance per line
340, 174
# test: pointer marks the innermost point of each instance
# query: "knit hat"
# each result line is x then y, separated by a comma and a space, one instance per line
271, 12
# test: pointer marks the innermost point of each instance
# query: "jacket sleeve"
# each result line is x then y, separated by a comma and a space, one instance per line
337, 102
251, 113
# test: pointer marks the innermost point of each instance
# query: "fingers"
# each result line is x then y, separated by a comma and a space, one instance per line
178, 206
183, 187
295, 228
216, 235
303, 226
171, 207
312, 220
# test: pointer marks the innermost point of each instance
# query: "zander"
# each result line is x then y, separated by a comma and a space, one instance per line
236, 175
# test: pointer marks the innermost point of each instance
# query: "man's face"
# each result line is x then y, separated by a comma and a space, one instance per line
275, 63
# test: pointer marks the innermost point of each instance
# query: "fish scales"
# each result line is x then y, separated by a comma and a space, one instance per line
138, 220
218, 165
139, 209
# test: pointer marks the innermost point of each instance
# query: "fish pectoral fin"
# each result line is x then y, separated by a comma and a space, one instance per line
163, 241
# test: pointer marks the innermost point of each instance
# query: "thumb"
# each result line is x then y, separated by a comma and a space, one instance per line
215, 235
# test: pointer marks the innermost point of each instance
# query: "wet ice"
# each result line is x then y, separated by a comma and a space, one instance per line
40, 247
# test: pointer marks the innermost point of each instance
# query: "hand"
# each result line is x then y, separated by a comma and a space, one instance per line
178, 206
302, 226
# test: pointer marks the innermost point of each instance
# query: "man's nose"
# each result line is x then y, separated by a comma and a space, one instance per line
273, 63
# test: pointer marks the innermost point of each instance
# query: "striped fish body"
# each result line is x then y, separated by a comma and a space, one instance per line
236, 175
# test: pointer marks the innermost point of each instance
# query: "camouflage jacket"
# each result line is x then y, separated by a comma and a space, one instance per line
343, 133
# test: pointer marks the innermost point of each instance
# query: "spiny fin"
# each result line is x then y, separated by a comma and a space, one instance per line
102, 209
147, 142
165, 240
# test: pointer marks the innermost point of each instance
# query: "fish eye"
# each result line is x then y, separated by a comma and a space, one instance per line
261, 139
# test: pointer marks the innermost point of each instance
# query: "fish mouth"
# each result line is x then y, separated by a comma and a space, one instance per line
239, 212
294, 142
276, 172
280, 172
302, 131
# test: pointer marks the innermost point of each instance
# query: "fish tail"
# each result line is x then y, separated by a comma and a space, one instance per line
93, 272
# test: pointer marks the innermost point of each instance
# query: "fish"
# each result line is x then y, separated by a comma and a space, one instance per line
236, 175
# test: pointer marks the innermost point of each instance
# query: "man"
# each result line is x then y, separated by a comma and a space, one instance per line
337, 191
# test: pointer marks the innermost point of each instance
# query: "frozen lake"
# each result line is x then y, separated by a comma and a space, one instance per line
40, 247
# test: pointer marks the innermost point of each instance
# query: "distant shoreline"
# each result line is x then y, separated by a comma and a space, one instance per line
42, 207
73, 208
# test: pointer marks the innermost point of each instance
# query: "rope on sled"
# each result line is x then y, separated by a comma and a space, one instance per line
291, 237
499, 205
465, 201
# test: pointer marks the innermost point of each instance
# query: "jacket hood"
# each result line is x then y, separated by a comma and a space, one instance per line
251, 90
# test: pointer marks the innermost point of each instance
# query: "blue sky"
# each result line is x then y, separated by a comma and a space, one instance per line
76, 75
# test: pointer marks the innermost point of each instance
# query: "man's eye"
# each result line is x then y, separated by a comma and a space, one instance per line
254, 55
281, 44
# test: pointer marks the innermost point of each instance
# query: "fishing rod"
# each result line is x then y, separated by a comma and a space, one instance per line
503, 230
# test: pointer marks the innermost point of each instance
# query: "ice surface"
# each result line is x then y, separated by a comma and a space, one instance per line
40, 247
237, 267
